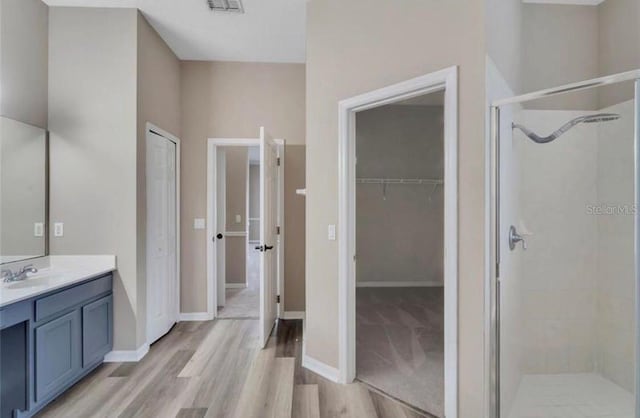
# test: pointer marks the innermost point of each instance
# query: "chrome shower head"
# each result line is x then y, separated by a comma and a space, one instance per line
599, 117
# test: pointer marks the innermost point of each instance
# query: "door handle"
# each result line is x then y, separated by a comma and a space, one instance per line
515, 238
264, 248
267, 248
219, 236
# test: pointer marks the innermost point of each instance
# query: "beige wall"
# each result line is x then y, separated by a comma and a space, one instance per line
503, 29
236, 188
342, 63
109, 74
618, 45
537, 46
158, 103
560, 46
254, 202
24, 31
92, 119
294, 226
228, 100
400, 230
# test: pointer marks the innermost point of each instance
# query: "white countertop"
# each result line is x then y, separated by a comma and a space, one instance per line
61, 271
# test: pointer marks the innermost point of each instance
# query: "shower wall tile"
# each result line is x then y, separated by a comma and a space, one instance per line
559, 269
615, 286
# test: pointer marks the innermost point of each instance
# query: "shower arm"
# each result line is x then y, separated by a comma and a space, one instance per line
546, 139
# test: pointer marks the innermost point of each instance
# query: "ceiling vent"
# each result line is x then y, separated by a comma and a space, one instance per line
234, 6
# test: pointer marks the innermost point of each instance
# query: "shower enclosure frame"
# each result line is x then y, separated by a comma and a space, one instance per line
493, 283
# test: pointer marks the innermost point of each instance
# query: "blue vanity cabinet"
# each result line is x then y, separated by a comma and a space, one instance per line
63, 334
97, 330
58, 356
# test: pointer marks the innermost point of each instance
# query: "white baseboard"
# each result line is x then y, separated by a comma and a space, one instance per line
235, 285
293, 315
195, 316
400, 284
320, 368
122, 356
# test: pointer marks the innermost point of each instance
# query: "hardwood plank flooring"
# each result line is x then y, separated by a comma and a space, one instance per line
216, 369
306, 403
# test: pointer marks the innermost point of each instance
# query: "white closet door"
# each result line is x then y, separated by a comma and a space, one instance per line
161, 236
268, 236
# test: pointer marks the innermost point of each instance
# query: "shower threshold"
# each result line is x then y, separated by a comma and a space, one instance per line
571, 395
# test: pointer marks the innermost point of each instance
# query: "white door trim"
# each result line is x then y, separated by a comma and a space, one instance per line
212, 282
148, 128
212, 279
281, 237
446, 80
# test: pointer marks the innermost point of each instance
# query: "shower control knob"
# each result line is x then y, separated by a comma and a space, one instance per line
515, 238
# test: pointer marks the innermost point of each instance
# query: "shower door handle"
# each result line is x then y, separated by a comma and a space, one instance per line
515, 238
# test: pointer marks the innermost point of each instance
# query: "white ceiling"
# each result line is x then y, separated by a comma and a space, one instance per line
268, 31
571, 2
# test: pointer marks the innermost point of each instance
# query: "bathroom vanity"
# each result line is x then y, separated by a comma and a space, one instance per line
55, 327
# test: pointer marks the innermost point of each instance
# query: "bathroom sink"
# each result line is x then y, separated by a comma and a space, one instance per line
34, 282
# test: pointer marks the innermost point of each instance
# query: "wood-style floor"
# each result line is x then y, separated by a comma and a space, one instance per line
214, 369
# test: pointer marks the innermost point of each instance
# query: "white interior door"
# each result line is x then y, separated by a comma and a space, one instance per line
220, 224
268, 236
161, 236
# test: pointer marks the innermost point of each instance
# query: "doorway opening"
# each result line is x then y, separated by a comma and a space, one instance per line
245, 240
239, 208
400, 250
162, 231
398, 211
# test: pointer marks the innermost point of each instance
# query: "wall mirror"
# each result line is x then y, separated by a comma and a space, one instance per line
23, 191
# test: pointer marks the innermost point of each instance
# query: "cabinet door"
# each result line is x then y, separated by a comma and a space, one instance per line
97, 334
57, 353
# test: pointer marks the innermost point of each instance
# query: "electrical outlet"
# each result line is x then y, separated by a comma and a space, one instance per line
38, 229
58, 229
238, 219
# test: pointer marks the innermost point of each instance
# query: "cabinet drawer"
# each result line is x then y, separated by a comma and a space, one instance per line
58, 302
97, 330
57, 354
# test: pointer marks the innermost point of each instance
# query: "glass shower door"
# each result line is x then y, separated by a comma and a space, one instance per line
565, 292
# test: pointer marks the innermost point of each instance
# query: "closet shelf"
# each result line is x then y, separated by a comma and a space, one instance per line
398, 181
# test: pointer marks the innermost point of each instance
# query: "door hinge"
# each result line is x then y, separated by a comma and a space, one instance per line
278, 299
277, 230
278, 161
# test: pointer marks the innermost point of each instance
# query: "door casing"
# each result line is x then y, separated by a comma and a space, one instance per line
445, 80
212, 276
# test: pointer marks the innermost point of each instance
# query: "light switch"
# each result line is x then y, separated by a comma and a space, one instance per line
238, 219
58, 229
38, 229
331, 233
198, 223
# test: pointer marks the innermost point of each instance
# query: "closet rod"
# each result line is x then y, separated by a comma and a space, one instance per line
398, 181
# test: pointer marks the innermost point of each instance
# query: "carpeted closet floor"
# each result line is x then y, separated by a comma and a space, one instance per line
400, 344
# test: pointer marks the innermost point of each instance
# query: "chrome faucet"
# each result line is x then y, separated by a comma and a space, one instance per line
9, 276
